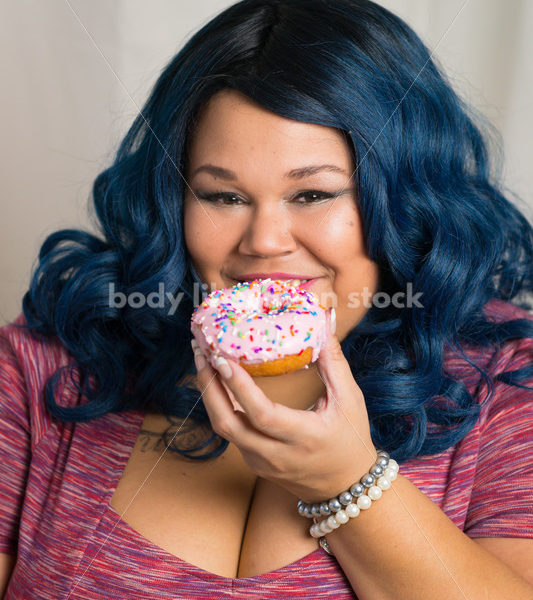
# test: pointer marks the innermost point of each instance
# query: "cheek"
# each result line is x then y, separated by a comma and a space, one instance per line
196, 232
340, 238
207, 241
346, 254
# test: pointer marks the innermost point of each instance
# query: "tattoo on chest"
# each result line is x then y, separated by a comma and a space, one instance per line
179, 435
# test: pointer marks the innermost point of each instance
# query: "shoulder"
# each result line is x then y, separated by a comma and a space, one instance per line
496, 357
27, 362
501, 310
479, 368
514, 353
508, 407
35, 354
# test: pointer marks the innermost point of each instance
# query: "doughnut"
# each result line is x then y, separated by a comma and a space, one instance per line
270, 327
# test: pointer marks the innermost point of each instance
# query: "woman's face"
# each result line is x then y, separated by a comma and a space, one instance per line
273, 215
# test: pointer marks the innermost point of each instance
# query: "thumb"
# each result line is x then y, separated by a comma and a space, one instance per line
333, 366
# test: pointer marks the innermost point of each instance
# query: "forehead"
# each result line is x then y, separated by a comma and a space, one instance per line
235, 128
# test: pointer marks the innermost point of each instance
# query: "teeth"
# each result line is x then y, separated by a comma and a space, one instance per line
293, 282
297, 282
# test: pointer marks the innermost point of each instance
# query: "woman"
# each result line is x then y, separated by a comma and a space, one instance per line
133, 472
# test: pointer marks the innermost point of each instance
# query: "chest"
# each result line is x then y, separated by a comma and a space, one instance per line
214, 514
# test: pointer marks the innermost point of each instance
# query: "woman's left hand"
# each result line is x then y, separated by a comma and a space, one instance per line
314, 454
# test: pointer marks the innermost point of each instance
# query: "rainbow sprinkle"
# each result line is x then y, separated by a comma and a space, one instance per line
268, 299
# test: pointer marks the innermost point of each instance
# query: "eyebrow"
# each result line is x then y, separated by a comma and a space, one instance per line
294, 174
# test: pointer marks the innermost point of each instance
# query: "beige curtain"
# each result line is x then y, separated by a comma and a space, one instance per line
74, 70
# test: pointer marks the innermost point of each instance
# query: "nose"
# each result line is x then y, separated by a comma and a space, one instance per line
268, 233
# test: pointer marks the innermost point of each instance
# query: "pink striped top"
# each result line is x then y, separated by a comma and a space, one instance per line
57, 480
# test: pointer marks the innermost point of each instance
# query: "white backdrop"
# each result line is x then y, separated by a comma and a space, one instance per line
75, 71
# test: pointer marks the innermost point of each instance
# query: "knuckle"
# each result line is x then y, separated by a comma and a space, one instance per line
222, 428
337, 353
239, 387
311, 441
314, 437
263, 420
275, 464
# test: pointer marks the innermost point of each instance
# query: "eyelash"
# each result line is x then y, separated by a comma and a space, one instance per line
213, 197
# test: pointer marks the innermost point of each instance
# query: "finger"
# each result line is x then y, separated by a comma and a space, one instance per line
210, 385
230, 424
236, 406
201, 362
334, 368
271, 418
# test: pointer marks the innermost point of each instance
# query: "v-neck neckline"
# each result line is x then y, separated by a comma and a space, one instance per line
113, 520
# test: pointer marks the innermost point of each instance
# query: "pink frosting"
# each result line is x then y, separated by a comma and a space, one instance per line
258, 321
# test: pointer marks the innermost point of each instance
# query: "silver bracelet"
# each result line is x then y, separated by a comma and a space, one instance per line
320, 529
333, 505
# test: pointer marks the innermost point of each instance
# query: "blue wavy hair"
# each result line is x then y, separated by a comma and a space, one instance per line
432, 214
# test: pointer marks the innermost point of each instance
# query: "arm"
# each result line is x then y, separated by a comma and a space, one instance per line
419, 539
406, 547
15, 455
452, 563
7, 564
515, 552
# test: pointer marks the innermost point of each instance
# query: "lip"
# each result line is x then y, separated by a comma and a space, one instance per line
308, 284
251, 276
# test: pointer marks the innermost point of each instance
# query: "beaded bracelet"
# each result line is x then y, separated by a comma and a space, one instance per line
363, 502
332, 506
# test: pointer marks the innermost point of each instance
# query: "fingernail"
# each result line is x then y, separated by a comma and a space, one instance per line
199, 360
194, 344
223, 367
332, 321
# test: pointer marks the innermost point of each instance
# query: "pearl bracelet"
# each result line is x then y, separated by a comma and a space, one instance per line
350, 510
368, 480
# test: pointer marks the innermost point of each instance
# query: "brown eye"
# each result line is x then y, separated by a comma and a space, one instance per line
313, 196
223, 198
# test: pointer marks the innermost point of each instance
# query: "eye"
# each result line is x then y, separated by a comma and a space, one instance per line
314, 196
304, 197
223, 198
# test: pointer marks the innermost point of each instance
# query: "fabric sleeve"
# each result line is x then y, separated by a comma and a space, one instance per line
501, 504
15, 444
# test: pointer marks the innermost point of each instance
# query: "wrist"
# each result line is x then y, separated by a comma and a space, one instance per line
337, 482
331, 503
330, 514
